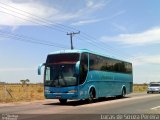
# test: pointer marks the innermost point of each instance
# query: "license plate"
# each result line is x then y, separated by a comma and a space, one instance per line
58, 96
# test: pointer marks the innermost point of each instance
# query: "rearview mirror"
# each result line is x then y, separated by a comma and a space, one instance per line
39, 68
77, 67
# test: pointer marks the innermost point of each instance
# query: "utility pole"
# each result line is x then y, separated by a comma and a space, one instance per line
71, 36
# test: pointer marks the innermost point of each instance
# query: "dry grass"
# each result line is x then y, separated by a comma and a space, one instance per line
140, 87
17, 92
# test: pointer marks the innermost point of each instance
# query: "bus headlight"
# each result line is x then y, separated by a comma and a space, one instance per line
72, 91
47, 91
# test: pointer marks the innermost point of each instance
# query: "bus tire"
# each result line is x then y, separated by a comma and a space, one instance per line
63, 101
92, 95
123, 92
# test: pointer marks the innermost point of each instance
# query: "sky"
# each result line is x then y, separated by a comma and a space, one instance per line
125, 29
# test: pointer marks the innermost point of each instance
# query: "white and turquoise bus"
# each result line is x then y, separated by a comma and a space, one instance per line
82, 74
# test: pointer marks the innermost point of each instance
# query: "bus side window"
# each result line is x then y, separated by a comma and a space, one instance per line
83, 67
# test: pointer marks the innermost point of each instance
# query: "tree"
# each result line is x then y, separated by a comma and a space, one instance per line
24, 82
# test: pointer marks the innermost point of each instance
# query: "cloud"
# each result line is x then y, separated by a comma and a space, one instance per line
89, 3
119, 27
83, 22
151, 36
92, 5
120, 12
146, 59
11, 16
52, 12
88, 21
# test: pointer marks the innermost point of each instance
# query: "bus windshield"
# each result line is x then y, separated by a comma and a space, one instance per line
60, 70
60, 75
154, 85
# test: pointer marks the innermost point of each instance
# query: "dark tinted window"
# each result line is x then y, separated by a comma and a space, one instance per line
108, 64
60, 58
154, 85
83, 67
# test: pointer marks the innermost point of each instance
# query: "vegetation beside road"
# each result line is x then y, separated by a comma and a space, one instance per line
21, 92
140, 87
30, 92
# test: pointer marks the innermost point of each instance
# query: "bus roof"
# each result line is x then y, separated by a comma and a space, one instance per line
82, 51
72, 51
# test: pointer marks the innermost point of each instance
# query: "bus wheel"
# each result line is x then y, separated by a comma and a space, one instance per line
92, 95
123, 93
63, 101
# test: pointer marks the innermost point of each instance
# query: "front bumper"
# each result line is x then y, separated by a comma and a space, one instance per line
61, 95
153, 90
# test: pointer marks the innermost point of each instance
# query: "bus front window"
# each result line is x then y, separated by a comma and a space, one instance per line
60, 75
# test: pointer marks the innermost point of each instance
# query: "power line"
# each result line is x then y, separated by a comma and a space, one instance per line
59, 27
93, 40
39, 23
38, 18
101, 46
19, 39
29, 40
